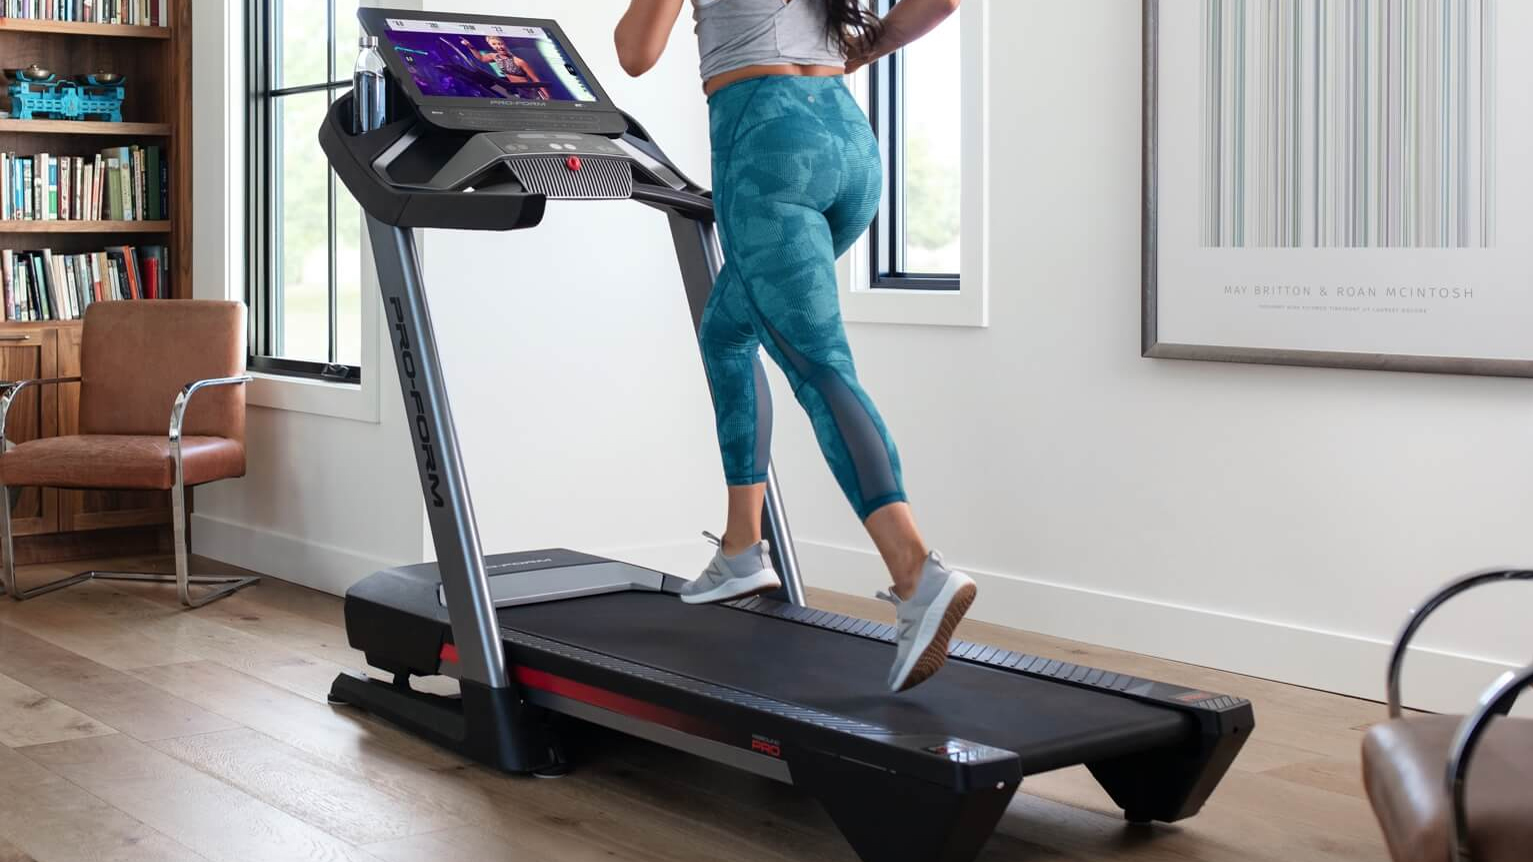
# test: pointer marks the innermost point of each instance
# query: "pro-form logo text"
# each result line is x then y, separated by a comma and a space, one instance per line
763, 745
423, 435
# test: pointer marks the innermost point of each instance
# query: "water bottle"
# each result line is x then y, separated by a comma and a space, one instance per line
367, 87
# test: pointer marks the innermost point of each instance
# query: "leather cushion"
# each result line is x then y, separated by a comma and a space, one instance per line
119, 461
1405, 764
136, 356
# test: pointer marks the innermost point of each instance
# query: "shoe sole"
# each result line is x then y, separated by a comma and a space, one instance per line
934, 656
752, 586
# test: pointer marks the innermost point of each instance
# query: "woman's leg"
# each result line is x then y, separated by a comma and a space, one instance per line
802, 184
894, 532
742, 406
742, 531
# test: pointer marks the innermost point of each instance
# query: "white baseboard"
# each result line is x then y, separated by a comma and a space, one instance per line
295, 559
1330, 661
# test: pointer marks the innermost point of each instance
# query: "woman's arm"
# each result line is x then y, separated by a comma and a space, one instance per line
642, 33
908, 21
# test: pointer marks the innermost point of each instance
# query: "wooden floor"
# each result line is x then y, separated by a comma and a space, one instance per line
133, 730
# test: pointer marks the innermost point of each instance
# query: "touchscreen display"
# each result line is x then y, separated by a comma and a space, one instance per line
487, 61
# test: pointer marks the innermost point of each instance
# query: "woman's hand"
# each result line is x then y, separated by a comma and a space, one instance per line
907, 22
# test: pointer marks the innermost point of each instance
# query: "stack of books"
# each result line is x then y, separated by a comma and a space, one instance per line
117, 184
41, 285
151, 13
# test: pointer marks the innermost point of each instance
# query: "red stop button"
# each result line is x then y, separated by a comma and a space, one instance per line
573, 163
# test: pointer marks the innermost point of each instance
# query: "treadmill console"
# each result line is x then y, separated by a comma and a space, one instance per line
487, 120
477, 73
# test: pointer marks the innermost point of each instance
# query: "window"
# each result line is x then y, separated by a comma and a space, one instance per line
305, 230
916, 109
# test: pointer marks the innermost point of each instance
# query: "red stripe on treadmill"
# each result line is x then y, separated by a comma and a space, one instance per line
614, 702
449, 653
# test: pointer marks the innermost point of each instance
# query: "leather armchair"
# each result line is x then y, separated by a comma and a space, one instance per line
1454, 788
161, 409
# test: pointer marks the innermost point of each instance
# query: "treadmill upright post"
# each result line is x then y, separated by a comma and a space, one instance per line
450, 511
698, 252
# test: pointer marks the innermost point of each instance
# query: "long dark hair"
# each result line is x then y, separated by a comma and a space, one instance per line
851, 25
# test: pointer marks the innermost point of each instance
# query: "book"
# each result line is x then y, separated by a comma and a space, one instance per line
138, 183
114, 208
152, 175
53, 187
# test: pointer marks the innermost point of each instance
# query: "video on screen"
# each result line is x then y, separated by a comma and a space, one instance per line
478, 61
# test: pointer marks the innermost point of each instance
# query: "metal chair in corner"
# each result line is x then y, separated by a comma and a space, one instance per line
1416, 768
162, 408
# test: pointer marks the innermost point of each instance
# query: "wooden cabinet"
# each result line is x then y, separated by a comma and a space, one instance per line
64, 523
58, 524
26, 354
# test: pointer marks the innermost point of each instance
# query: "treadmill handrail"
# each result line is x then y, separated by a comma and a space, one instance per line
353, 156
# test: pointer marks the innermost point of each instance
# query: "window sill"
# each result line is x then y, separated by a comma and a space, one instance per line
357, 402
916, 307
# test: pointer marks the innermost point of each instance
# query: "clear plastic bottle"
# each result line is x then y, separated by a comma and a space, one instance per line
367, 87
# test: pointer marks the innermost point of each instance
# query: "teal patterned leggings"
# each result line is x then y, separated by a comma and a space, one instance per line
796, 181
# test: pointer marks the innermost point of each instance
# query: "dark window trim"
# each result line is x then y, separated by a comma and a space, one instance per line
887, 269
263, 291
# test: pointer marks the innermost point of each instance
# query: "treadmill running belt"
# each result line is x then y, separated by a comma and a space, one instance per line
1048, 724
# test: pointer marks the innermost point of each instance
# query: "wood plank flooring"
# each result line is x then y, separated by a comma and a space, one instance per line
133, 730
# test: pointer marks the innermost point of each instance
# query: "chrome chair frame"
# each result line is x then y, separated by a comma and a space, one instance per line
1496, 702
182, 578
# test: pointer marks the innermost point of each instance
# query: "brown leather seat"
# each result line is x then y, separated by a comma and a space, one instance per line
1405, 773
120, 461
134, 359
137, 360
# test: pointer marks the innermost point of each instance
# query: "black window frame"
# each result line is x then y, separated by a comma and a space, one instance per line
886, 235
263, 198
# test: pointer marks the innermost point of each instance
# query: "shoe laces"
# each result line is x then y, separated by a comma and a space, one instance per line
717, 542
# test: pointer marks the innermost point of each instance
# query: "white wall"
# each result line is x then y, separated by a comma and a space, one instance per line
1272, 521
575, 377
1275, 521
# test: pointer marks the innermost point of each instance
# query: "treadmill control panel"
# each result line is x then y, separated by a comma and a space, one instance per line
556, 143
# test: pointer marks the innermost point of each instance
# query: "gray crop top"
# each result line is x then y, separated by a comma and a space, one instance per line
732, 34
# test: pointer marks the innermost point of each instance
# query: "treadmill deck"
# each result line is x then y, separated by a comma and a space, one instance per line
1046, 724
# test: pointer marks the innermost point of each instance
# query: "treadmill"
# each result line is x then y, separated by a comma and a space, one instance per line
766, 684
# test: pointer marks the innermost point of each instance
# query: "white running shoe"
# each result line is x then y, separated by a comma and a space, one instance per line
748, 573
926, 621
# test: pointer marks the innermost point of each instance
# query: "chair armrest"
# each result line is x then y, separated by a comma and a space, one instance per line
1496, 702
12, 388
184, 397
1425, 609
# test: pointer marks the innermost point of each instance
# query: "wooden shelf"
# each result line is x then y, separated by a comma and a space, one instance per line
60, 226
76, 28
12, 325
80, 127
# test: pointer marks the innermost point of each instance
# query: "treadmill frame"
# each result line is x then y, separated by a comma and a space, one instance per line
503, 713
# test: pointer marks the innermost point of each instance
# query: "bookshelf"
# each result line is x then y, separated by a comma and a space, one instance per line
107, 227
58, 524
76, 28
81, 127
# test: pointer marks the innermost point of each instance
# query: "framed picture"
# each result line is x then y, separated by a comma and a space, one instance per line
1340, 182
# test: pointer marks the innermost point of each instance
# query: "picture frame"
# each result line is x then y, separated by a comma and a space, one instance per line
1370, 243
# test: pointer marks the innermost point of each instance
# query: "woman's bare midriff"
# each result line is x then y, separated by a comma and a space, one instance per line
722, 80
